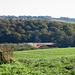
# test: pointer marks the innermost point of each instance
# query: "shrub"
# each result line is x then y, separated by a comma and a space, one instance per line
23, 47
43, 47
6, 54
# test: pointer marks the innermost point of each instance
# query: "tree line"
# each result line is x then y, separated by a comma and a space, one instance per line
49, 18
26, 17
22, 31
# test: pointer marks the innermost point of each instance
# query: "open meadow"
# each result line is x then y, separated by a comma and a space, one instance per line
45, 53
54, 61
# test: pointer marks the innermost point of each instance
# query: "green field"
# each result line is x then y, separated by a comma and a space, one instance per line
45, 53
54, 61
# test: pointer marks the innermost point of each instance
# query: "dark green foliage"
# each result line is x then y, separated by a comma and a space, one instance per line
20, 31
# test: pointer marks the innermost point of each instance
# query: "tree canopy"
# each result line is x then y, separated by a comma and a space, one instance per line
20, 31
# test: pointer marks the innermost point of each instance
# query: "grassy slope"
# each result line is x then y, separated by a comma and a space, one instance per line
64, 21
57, 61
45, 53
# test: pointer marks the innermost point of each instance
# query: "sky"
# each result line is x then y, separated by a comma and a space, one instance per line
54, 8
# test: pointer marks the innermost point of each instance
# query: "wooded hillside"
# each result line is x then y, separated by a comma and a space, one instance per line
20, 31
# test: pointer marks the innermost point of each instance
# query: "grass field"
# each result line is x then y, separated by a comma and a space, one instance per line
45, 53
54, 61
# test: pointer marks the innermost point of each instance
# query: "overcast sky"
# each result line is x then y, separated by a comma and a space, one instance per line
54, 8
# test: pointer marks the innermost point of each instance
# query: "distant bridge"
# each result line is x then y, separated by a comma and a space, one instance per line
37, 45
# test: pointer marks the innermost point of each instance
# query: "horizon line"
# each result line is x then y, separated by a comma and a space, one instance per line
36, 15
